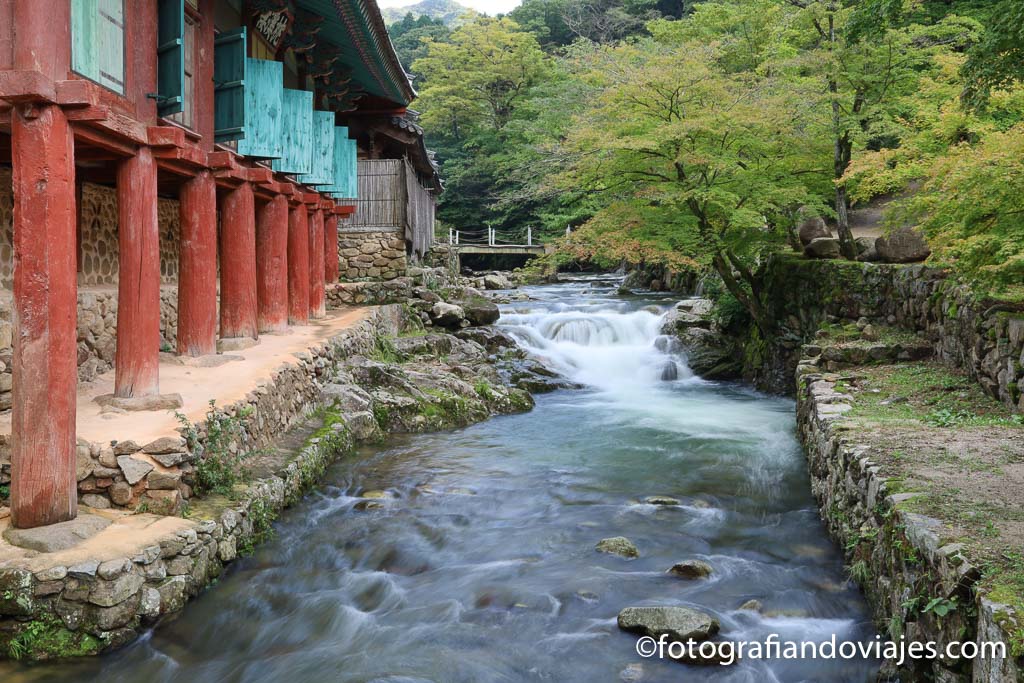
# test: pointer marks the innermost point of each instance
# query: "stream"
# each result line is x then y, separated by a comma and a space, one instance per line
482, 567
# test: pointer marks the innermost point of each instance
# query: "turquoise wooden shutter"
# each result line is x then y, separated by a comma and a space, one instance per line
322, 150
97, 41
296, 133
170, 56
229, 85
345, 166
264, 102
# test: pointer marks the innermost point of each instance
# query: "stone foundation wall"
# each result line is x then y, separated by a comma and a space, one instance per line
371, 255
97, 257
369, 293
902, 550
984, 338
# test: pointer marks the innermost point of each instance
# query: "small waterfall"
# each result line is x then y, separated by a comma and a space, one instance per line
606, 348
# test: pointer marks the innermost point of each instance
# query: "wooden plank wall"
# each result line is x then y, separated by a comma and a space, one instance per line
419, 229
391, 198
381, 202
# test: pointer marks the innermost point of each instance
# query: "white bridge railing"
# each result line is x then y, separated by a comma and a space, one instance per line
490, 237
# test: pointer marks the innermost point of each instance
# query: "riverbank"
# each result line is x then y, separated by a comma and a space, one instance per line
472, 554
93, 584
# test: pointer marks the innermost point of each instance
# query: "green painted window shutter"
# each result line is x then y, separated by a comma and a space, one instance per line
170, 55
97, 41
229, 85
322, 150
296, 133
264, 102
345, 166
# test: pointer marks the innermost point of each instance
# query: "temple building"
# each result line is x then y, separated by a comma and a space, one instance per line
183, 176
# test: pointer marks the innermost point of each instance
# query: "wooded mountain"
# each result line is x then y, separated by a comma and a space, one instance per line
447, 11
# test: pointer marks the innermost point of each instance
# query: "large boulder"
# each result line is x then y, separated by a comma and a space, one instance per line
480, 311
680, 624
811, 228
447, 315
678, 320
903, 245
822, 247
866, 249
496, 281
707, 352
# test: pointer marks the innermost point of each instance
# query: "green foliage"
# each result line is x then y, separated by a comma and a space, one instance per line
219, 467
410, 35
48, 638
384, 351
691, 134
940, 607
997, 61
859, 572
262, 517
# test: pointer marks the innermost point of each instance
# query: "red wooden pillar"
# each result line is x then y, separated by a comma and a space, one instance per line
137, 359
45, 367
331, 259
197, 267
238, 264
317, 307
272, 264
298, 265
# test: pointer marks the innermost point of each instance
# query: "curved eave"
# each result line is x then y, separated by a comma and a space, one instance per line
358, 28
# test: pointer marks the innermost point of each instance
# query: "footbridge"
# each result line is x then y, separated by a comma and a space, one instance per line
492, 242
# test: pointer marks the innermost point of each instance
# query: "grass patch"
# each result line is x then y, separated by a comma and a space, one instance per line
924, 392
47, 638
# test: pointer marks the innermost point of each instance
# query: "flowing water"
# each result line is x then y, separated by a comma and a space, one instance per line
483, 568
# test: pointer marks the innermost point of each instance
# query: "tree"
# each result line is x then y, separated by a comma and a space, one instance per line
409, 35
479, 76
997, 60
722, 156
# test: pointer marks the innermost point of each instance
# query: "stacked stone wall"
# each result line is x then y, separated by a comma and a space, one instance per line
371, 255
97, 255
984, 338
907, 553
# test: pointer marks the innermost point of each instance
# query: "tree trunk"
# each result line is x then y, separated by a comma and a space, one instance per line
841, 153
749, 301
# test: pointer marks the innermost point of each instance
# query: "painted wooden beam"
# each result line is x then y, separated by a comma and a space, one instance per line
45, 368
272, 265
298, 265
238, 264
137, 358
197, 267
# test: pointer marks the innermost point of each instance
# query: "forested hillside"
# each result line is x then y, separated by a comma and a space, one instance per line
701, 133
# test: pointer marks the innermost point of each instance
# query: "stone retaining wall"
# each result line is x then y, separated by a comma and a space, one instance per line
983, 338
369, 293
97, 256
364, 255
159, 476
104, 602
902, 551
